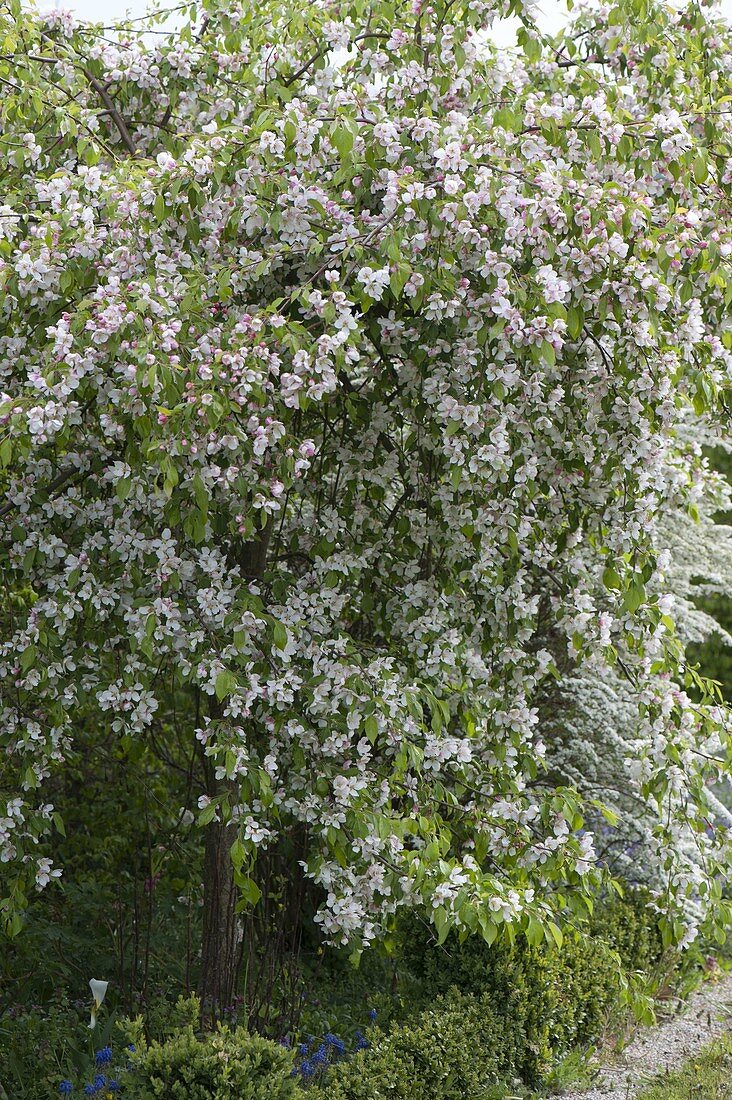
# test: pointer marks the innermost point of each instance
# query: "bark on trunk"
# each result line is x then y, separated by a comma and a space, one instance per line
221, 948
221, 951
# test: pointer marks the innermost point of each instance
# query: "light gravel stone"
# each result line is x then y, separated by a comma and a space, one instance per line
706, 1015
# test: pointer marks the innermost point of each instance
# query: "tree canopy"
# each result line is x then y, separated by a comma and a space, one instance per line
348, 370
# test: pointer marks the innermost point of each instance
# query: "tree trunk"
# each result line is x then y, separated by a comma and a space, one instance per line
222, 928
221, 950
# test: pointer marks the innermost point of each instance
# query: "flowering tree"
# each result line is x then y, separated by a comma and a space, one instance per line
592, 730
345, 373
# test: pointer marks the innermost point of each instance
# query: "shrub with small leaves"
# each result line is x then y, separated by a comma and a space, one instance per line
459, 1047
631, 925
549, 998
227, 1065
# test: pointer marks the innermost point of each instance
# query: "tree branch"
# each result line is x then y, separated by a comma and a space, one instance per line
114, 114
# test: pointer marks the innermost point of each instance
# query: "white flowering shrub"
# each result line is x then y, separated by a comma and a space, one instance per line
597, 743
346, 368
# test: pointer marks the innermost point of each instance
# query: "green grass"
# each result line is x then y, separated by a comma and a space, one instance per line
708, 1076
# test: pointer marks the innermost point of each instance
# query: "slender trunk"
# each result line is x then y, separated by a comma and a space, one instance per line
221, 947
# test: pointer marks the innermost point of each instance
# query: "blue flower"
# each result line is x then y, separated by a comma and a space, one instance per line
321, 1055
114, 1085
333, 1041
104, 1056
100, 1081
372, 1014
90, 1090
66, 1087
362, 1043
307, 1069
304, 1048
132, 1048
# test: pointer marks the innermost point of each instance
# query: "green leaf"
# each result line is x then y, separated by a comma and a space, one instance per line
122, 488
371, 728
547, 353
225, 683
507, 119
250, 892
207, 814
611, 578
238, 854
28, 658
534, 932
12, 925
575, 321
530, 45
399, 278
442, 925
556, 933
488, 928
200, 493
610, 816
634, 597
343, 139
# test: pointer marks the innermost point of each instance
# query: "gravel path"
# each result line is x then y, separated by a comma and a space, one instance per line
707, 1014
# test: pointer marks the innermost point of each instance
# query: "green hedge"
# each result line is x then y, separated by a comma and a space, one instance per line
547, 999
457, 1048
538, 1002
630, 926
228, 1065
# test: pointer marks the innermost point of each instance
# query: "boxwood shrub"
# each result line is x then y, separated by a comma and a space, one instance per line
459, 1047
549, 999
226, 1065
631, 927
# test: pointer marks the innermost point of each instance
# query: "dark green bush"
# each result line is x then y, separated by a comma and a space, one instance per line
631, 927
456, 1049
228, 1065
340, 996
516, 1010
549, 999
